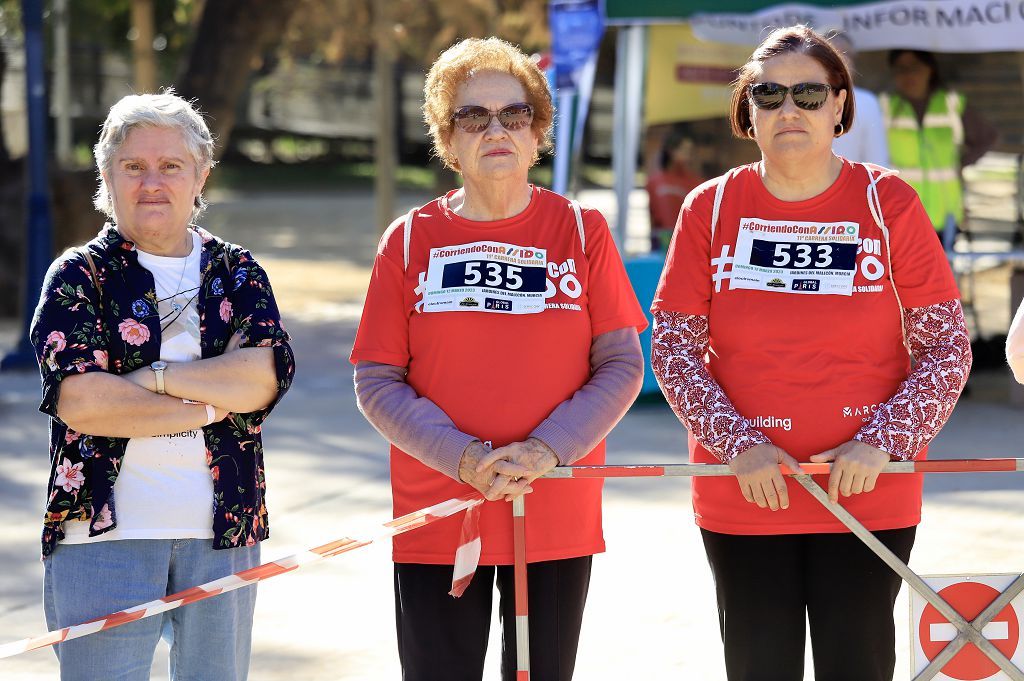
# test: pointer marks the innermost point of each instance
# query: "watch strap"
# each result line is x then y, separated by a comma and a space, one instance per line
159, 373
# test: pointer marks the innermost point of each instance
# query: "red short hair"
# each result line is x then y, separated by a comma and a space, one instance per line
457, 64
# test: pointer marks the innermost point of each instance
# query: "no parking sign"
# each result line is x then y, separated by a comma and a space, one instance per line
930, 632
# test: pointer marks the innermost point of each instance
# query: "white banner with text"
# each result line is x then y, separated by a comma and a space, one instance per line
934, 25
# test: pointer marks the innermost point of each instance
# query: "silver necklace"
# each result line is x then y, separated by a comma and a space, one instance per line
175, 305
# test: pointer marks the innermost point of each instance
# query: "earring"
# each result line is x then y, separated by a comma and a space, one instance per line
750, 132
840, 130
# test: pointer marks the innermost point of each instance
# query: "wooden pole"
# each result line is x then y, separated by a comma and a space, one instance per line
62, 83
142, 47
385, 157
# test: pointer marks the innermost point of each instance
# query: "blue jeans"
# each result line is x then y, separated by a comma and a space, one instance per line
210, 640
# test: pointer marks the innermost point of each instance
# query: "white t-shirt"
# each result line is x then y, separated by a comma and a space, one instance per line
867, 141
1015, 345
164, 489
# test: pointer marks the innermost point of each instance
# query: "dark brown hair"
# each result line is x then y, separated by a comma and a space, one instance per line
928, 59
798, 40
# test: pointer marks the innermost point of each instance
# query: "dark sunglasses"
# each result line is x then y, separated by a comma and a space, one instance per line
475, 119
808, 96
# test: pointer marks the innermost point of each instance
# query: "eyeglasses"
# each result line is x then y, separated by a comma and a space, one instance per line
808, 96
475, 119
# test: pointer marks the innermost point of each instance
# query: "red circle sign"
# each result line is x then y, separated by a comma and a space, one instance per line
969, 599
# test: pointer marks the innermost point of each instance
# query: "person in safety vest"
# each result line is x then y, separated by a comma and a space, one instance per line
792, 291
933, 133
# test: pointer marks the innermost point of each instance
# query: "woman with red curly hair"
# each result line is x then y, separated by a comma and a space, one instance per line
498, 340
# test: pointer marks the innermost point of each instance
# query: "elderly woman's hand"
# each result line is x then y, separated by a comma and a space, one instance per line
506, 471
480, 469
523, 461
760, 478
855, 468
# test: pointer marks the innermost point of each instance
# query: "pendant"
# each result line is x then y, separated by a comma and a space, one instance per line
176, 307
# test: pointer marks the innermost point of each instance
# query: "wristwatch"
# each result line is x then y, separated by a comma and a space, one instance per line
158, 370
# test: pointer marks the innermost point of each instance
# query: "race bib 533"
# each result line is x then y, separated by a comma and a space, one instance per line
795, 257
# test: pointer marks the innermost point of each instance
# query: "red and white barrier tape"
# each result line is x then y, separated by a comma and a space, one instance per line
469, 543
467, 555
391, 528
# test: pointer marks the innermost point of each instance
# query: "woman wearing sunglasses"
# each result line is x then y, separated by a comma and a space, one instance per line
792, 292
162, 353
499, 339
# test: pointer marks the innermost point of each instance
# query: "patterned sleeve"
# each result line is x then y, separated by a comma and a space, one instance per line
941, 347
678, 345
67, 329
254, 313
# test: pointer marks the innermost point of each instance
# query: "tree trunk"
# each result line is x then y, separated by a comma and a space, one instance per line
230, 36
12, 217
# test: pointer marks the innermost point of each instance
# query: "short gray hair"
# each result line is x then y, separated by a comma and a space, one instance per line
164, 110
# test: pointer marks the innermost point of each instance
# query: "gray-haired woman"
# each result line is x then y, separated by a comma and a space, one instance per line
161, 351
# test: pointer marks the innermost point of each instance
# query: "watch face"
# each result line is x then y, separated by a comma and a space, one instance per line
158, 365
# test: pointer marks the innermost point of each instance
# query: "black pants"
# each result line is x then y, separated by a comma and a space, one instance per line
767, 585
441, 638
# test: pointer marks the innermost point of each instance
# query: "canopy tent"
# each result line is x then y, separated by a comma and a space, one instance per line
935, 25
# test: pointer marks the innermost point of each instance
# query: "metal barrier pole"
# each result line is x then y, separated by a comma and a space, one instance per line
646, 470
910, 577
522, 592
967, 631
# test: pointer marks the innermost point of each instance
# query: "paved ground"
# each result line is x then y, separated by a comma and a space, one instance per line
651, 613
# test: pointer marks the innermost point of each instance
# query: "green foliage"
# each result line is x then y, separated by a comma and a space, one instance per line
332, 31
10, 19
109, 23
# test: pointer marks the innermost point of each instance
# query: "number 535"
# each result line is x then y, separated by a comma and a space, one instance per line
495, 276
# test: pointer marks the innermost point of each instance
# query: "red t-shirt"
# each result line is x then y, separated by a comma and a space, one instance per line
665, 193
806, 369
498, 375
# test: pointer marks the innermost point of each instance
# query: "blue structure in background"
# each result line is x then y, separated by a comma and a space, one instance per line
576, 30
38, 222
644, 272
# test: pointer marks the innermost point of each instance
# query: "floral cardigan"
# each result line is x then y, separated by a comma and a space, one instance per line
74, 331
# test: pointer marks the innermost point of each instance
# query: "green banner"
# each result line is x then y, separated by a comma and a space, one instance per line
662, 11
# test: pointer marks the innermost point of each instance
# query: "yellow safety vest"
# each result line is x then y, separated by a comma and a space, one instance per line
928, 155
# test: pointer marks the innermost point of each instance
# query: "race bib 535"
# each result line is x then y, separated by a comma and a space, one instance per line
486, 276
